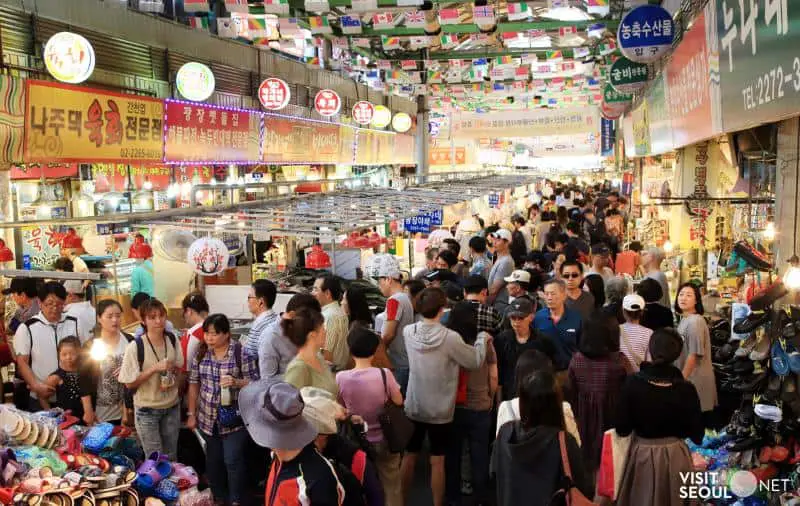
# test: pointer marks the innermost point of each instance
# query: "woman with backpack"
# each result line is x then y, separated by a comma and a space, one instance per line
151, 366
106, 350
218, 372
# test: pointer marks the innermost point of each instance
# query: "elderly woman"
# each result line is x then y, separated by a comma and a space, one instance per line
616, 290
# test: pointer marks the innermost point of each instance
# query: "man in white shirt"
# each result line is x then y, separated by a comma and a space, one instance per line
80, 308
328, 291
36, 342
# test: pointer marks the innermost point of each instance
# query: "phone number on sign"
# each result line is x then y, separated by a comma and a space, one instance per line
773, 85
137, 153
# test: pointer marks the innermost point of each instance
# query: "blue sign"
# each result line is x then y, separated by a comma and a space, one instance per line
26, 262
437, 217
418, 224
645, 33
494, 200
608, 135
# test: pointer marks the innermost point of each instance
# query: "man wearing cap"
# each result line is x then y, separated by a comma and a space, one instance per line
559, 323
398, 315
600, 257
634, 339
80, 308
24, 294
512, 343
502, 268
272, 411
476, 289
518, 284
577, 298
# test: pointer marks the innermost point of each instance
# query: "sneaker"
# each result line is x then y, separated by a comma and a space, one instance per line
466, 487
752, 256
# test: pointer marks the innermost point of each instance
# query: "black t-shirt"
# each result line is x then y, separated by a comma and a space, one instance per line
508, 351
657, 317
320, 484
74, 385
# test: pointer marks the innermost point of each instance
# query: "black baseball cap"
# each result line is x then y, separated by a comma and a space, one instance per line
520, 308
21, 285
453, 291
475, 282
600, 249
441, 275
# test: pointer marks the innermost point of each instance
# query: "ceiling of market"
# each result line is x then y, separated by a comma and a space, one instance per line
462, 54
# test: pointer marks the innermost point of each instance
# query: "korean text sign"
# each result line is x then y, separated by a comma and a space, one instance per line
204, 133
533, 123
68, 123
291, 140
759, 61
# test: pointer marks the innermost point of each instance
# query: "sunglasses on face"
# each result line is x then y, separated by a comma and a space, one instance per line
571, 275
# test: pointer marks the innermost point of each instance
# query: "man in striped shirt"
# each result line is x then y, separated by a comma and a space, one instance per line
634, 338
260, 301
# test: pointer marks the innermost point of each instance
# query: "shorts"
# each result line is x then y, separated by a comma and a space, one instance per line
438, 437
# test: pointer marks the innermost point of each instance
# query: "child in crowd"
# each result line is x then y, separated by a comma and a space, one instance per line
73, 389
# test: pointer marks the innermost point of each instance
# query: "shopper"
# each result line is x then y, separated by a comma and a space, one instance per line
25, 295
106, 351
356, 307
136, 304
473, 415
634, 338
628, 261
430, 263
517, 285
36, 341
529, 362
195, 311
596, 374
151, 366
616, 290
447, 260
481, 263
660, 410
306, 330
527, 455
511, 344
578, 299
435, 354
328, 291
273, 413
81, 309
220, 369
363, 393
276, 350
575, 239
520, 241
476, 290
502, 268
71, 382
652, 258
595, 285
695, 360
398, 316
600, 259
561, 324
260, 300
656, 316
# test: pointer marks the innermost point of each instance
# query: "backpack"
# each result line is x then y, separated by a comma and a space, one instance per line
140, 347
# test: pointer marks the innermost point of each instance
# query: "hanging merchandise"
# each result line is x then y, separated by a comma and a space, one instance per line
208, 256
363, 112
645, 33
317, 258
69, 57
627, 76
195, 82
274, 94
327, 103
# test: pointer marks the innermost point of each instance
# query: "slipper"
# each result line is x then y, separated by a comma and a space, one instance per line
794, 357
121, 431
97, 437
752, 256
780, 359
167, 491
769, 412
151, 473
184, 476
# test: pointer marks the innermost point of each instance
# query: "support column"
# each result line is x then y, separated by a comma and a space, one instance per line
786, 195
423, 138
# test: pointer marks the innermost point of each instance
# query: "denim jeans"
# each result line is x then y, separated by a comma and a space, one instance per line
401, 375
226, 465
158, 429
472, 427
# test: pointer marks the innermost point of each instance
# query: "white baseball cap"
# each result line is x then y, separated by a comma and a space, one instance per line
633, 302
519, 277
502, 234
74, 286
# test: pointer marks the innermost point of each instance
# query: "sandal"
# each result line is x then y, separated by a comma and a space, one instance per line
184, 476
97, 437
780, 359
167, 491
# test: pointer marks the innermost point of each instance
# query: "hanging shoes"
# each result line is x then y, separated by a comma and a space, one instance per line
752, 256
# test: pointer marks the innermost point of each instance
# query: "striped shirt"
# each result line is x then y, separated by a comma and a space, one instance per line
337, 325
634, 341
257, 332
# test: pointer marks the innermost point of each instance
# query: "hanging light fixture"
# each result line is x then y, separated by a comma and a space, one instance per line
769, 232
791, 278
668, 247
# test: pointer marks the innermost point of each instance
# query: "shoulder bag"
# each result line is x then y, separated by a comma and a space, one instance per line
397, 428
568, 494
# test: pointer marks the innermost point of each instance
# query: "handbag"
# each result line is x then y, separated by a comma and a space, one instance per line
397, 428
568, 494
613, 458
229, 416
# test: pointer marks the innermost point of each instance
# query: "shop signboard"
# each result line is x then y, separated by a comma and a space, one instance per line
200, 133
404, 149
347, 144
645, 33
443, 156
437, 217
69, 57
41, 244
66, 123
608, 136
418, 224
46, 170
195, 81
627, 76
529, 123
274, 94
758, 61
641, 130
401, 122
327, 103
658, 118
288, 140
363, 112
689, 88
114, 176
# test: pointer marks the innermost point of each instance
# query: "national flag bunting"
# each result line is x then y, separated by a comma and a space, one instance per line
527, 59
362, 42
580, 52
290, 28
227, 28
597, 3
457, 64
448, 41
317, 5
566, 31
518, 11
390, 43
276, 7
607, 48
382, 20
350, 24
536, 33
312, 60
340, 43
521, 73
199, 23
384, 65
364, 5
192, 6
555, 56
504, 60
415, 19
236, 6
319, 24
449, 16
419, 42
408, 65
483, 14
434, 77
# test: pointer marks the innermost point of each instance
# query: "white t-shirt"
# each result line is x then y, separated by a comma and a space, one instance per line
109, 389
38, 338
86, 315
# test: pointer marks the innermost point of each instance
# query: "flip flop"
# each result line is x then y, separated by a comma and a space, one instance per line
780, 359
794, 357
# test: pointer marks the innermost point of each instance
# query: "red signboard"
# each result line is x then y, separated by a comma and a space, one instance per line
363, 112
274, 94
51, 170
327, 103
114, 177
689, 89
297, 141
199, 133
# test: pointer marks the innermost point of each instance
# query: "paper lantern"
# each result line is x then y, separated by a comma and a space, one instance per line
317, 258
208, 256
5, 253
139, 248
381, 117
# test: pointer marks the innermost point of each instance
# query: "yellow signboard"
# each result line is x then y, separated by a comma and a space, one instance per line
65, 123
530, 123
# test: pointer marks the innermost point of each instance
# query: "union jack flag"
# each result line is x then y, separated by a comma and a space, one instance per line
415, 19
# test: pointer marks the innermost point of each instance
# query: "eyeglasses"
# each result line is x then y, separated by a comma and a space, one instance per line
571, 275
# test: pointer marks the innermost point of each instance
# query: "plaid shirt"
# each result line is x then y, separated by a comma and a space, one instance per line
489, 319
207, 372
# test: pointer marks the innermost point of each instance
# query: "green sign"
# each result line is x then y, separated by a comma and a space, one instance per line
759, 63
658, 120
627, 76
612, 96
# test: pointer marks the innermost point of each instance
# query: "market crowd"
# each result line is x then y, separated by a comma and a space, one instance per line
510, 354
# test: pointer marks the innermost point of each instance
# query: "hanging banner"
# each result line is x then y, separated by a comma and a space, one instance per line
404, 149
444, 156
608, 135
530, 123
41, 246
758, 63
46, 170
367, 152
689, 88
658, 119
199, 133
289, 140
385, 149
641, 130
347, 144
12, 118
114, 176
627, 76
65, 123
